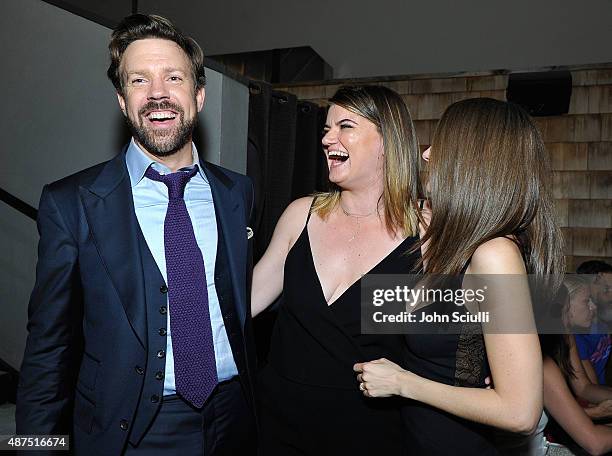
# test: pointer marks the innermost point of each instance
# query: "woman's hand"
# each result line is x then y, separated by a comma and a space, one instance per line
381, 378
601, 410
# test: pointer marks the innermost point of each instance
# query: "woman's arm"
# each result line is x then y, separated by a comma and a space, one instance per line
559, 402
513, 404
268, 273
515, 401
580, 382
589, 370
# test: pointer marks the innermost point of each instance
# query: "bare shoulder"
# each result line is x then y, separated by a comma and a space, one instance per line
297, 211
497, 256
300, 205
552, 372
549, 364
294, 218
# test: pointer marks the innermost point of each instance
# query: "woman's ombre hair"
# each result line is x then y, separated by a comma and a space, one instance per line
388, 112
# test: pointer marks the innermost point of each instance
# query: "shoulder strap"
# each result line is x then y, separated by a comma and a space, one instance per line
310, 209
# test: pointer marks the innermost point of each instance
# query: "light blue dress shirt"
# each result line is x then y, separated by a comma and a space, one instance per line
151, 203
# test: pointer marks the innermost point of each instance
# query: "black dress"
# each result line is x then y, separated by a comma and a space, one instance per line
454, 359
309, 398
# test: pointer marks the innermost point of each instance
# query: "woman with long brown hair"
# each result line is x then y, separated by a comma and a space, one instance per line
565, 378
488, 180
320, 249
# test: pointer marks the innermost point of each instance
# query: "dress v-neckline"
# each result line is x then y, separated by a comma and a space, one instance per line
316, 273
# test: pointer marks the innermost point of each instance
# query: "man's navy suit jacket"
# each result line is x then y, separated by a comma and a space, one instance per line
88, 340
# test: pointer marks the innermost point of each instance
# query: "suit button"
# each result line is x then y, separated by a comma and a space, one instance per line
139, 370
159, 375
155, 398
162, 331
163, 310
123, 424
161, 354
163, 289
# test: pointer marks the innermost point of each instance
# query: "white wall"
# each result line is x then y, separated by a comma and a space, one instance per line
360, 38
61, 115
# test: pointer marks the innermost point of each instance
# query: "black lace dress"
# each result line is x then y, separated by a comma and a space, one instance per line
454, 359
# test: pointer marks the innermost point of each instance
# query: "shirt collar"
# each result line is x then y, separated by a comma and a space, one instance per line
137, 163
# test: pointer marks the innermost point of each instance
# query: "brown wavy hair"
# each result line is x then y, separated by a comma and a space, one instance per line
385, 109
489, 176
141, 26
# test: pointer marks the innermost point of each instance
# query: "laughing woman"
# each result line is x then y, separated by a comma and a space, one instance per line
320, 249
491, 213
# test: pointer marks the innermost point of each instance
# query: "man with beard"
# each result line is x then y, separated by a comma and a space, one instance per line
139, 322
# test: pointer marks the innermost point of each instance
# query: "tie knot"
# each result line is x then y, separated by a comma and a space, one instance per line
175, 182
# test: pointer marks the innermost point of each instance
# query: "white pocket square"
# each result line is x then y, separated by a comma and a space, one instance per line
249, 232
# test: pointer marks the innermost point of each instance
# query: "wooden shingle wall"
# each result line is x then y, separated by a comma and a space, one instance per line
579, 144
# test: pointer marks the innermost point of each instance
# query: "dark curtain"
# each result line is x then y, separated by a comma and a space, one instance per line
310, 166
285, 161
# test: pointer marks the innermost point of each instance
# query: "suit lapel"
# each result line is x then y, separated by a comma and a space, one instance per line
109, 208
231, 217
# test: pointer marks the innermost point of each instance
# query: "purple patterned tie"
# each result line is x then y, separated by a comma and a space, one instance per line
192, 343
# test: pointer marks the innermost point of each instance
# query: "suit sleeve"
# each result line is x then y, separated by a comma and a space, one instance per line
46, 382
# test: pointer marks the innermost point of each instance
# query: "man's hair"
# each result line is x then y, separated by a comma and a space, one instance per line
593, 267
388, 112
141, 26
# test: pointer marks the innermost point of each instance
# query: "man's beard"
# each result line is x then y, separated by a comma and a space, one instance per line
162, 143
